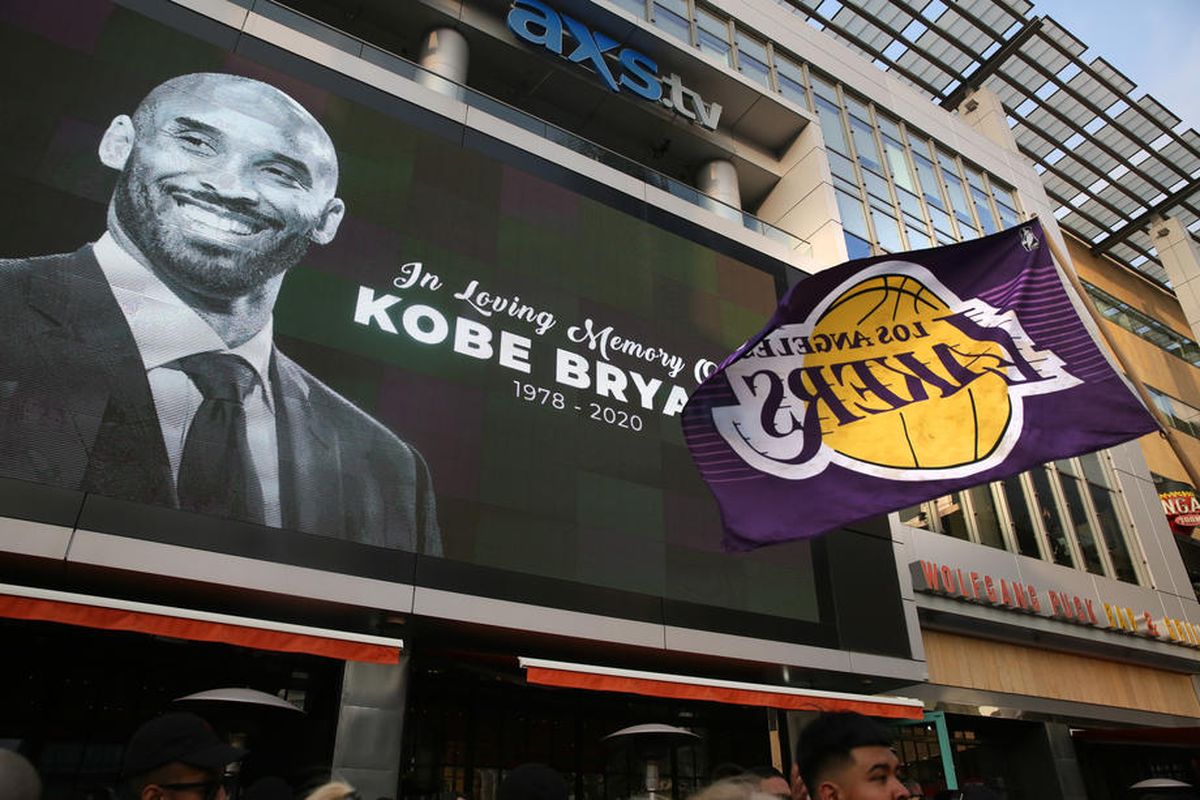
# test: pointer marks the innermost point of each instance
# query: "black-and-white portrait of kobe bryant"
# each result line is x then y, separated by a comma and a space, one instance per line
143, 365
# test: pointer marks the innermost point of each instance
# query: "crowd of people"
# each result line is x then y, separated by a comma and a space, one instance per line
179, 756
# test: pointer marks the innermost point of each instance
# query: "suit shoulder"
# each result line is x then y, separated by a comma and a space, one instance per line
339, 411
14, 267
16, 273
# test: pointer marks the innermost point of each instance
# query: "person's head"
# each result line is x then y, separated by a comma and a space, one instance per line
18, 779
846, 756
224, 183
744, 786
533, 782
334, 790
771, 781
177, 757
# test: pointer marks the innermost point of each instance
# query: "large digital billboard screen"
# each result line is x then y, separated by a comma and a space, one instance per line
248, 290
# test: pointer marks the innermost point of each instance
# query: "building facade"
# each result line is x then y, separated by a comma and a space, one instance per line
476, 538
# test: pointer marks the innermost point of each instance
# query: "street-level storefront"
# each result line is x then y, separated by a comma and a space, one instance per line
1041, 674
74, 695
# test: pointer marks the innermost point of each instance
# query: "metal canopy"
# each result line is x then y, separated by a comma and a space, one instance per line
1111, 162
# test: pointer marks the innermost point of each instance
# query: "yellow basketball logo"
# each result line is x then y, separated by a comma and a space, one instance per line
899, 314
892, 375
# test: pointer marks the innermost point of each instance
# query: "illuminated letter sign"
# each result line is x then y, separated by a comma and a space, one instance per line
539, 24
1182, 510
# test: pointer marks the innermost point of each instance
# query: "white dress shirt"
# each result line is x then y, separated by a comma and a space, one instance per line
167, 329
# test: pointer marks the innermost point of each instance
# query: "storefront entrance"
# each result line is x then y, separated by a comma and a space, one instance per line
73, 696
469, 722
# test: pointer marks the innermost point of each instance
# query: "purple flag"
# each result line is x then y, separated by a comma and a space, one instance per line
888, 381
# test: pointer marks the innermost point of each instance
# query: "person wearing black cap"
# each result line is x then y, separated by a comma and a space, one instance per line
177, 757
533, 782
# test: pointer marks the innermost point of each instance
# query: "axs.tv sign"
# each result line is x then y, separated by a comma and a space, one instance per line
621, 68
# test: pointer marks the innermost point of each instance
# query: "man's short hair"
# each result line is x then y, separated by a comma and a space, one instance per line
826, 742
738, 787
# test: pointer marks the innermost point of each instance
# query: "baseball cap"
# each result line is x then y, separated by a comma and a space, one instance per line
181, 737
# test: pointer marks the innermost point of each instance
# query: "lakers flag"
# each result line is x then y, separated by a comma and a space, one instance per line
888, 381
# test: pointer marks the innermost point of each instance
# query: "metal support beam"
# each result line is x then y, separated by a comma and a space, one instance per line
866, 48
991, 65
1143, 220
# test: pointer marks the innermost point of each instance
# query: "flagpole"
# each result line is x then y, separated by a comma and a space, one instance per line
1066, 266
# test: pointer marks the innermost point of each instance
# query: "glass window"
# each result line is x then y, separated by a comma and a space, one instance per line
974, 177
752, 60
951, 517
791, 80
942, 225
830, 117
918, 238
637, 7
850, 187
671, 17
857, 108
1107, 518
1056, 535
712, 34
1077, 513
1008, 216
929, 182
1018, 512
915, 517
1179, 415
958, 195
887, 125
1006, 205
857, 247
987, 519
902, 173
984, 211
822, 87
865, 146
877, 186
842, 167
1143, 325
1003, 195
887, 229
909, 202
853, 219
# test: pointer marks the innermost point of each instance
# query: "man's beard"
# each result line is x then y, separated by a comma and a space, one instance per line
205, 267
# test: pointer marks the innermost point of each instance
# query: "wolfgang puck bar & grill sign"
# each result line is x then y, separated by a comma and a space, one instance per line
973, 586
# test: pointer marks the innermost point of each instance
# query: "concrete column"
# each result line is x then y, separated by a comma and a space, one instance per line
984, 112
718, 179
1066, 766
1181, 259
803, 202
366, 752
446, 54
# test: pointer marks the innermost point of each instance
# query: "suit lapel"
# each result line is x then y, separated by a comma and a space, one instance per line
88, 345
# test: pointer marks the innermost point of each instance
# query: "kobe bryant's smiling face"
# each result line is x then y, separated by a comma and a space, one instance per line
224, 182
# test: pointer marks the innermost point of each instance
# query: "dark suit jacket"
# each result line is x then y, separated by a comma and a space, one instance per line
76, 412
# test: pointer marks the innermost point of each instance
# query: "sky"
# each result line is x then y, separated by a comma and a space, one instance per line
1154, 43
